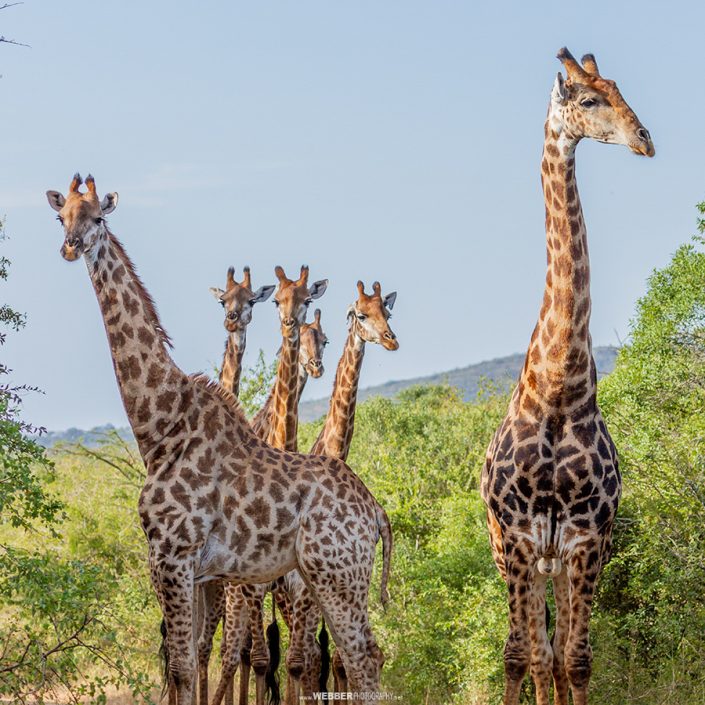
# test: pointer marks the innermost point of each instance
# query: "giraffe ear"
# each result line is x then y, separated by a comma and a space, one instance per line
262, 294
107, 205
317, 289
350, 313
559, 94
389, 300
56, 200
217, 293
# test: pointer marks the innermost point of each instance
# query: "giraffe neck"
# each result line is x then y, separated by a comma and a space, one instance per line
302, 379
231, 369
262, 421
559, 368
285, 397
337, 432
150, 383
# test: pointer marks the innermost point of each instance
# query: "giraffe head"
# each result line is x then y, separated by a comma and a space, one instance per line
293, 298
238, 300
82, 216
313, 343
369, 316
584, 104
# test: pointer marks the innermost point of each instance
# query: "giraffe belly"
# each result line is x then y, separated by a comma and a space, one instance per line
255, 562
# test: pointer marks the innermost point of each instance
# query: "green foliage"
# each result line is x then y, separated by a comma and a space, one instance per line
61, 604
651, 609
255, 384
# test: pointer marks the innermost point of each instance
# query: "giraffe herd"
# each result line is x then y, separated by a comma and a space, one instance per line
232, 510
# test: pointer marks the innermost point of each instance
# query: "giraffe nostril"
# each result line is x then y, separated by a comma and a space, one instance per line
643, 134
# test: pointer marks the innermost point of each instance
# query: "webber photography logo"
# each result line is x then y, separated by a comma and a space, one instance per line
348, 696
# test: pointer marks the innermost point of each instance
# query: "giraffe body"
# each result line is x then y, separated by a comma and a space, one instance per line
219, 503
551, 481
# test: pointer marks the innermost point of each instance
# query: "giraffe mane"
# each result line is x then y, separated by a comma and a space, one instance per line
150, 308
231, 401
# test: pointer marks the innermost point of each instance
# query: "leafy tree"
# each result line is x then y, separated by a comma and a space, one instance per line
53, 608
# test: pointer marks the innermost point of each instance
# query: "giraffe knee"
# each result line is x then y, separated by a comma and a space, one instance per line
516, 661
578, 668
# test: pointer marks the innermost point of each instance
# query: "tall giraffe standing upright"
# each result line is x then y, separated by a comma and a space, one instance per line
551, 481
292, 299
217, 502
368, 320
238, 301
233, 606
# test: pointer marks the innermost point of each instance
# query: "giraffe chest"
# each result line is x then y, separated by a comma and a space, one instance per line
564, 474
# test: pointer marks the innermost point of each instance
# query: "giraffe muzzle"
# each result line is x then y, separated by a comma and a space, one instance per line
389, 341
315, 368
644, 145
72, 249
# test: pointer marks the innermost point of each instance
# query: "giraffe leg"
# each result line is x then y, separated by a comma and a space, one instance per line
212, 607
517, 648
235, 635
259, 654
229, 694
175, 588
541, 653
340, 680
344, 608
582, 574
244, 685
561, 591
303, 659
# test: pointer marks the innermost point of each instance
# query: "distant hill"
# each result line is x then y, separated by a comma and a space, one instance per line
502, 371
75, 435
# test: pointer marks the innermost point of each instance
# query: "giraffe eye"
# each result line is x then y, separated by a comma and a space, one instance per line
60, 219
222, 303
361, 316
98, 221
276, 303
588, 102
308, 302
325, 342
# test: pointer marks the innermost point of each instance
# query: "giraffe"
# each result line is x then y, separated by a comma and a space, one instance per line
219, 503
551, 481
368, 322
236, 626
238, 301
300, 355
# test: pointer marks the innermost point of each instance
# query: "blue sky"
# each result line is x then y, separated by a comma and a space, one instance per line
392, 140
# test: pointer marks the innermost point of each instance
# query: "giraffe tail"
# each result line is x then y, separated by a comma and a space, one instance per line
323, 642
385, 532
271, 677
550, 567
164, 657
